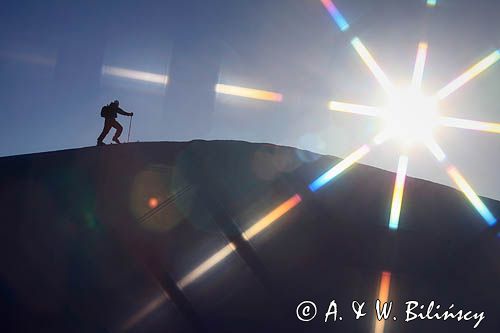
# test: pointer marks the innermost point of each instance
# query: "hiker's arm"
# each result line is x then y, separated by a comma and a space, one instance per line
125, 113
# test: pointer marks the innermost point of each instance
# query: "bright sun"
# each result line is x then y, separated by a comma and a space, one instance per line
410, 117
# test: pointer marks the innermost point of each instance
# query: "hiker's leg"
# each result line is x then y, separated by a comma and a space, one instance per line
105, 130
119, 130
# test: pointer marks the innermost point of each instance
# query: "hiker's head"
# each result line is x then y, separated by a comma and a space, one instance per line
115, 103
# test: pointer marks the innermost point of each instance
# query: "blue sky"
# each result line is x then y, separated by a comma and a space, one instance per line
52, 55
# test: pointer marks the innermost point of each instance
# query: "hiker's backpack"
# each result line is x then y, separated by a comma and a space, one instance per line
105, 111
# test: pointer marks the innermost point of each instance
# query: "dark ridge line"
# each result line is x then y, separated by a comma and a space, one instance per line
6, 159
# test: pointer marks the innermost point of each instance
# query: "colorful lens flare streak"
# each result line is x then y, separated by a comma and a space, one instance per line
339, 168
471, 195
272, 217
336, 15
248, 234
470, 124
364, 110
418, 72
206, 265
462, 183
435, 150
397, 198
135, 75
383, 296
145, 311
471, 73
372, 64
248, 93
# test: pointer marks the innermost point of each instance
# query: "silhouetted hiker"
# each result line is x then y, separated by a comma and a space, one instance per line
109, 113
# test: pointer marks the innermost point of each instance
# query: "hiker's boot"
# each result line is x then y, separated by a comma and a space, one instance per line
100, 143
115, 140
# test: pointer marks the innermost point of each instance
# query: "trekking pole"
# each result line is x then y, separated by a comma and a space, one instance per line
129, 126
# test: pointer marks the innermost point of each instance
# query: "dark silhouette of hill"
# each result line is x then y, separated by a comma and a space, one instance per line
116, 238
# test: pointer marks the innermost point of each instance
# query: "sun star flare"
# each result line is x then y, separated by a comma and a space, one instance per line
411, 117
